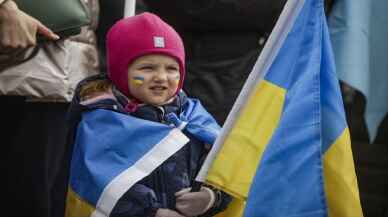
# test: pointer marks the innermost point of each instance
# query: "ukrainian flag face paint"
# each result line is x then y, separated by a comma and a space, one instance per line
177, 78
154, 79
138, 80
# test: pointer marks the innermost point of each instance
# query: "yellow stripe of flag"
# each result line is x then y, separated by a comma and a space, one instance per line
76, 207
340, 179
249, 137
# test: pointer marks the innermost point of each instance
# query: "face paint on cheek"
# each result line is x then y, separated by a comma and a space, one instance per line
138, 80
177, 79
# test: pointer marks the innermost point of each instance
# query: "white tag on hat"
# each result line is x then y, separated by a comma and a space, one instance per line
158, 41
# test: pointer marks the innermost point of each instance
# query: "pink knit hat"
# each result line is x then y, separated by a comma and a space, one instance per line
137, 36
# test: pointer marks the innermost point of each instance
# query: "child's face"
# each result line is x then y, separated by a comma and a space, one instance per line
153, 78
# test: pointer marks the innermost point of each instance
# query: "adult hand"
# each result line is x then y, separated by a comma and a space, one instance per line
194, 203
167, 213
18, 30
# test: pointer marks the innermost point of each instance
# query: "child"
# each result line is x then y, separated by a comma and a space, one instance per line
140, 140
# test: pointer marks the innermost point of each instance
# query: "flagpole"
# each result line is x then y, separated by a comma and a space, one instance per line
129, 8
271, 48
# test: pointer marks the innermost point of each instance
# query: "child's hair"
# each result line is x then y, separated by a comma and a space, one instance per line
94, 88
136, 36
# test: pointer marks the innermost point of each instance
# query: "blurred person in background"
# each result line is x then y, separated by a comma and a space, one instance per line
34, 96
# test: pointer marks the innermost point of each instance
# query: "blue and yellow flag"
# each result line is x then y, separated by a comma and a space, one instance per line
113, 151
285, 148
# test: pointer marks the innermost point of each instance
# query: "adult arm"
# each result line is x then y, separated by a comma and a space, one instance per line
18, 30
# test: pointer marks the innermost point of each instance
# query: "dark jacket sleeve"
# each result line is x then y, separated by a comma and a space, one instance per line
138, 201
221, 202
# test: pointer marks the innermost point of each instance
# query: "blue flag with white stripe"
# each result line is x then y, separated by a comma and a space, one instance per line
113, 151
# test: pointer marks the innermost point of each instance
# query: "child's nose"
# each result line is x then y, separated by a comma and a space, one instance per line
161, 74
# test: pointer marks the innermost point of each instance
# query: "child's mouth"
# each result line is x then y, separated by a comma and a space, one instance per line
158, 88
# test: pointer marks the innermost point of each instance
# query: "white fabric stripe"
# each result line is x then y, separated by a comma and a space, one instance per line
182, 125
270, 51
174, 141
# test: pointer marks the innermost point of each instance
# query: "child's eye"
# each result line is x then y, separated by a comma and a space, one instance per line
146, 68
172, 69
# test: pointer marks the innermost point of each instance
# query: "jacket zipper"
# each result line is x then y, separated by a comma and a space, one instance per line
161, 114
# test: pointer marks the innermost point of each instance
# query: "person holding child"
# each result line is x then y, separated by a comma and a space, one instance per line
146, 70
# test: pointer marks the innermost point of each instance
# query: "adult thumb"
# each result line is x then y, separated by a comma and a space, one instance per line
46, 32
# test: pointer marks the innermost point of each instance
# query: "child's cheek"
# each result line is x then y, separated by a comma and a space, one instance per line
177, 79
137, 80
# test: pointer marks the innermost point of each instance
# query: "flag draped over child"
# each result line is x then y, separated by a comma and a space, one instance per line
113, 151
285, 148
